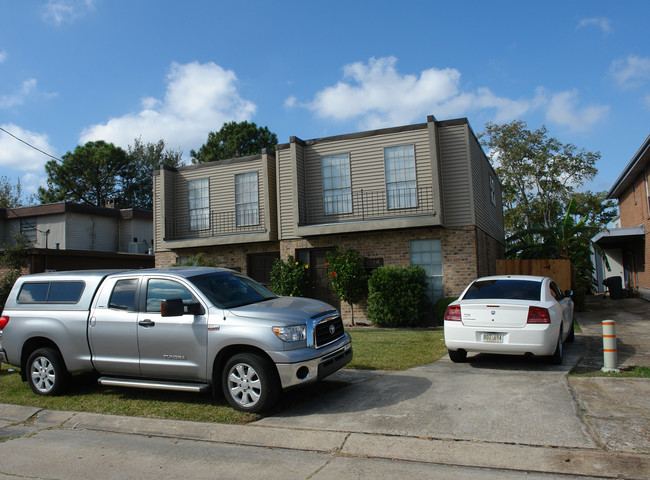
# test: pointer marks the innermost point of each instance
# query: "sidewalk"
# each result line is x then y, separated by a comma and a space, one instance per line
432, 414
617, 409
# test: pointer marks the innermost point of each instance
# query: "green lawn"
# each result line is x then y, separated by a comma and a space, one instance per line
374, 349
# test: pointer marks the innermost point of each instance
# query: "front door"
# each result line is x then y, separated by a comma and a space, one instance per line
320, 286
260, 265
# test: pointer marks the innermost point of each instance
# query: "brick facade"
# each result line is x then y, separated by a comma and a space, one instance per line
634, 210
467, 253
229, 256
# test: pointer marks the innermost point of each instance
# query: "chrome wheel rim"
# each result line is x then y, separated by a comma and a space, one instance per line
43, 374
244, 385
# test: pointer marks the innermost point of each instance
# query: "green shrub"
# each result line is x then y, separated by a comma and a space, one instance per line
397, 296
440, 307
289, 278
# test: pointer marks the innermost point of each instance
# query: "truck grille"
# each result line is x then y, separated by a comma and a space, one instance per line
326, 335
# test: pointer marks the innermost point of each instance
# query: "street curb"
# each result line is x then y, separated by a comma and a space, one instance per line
513, 457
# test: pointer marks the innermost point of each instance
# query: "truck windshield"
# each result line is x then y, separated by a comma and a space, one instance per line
229, 290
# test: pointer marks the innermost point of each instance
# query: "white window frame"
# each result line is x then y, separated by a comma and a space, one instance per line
427, 253
401, 177
198, 199
247, 204
337, 184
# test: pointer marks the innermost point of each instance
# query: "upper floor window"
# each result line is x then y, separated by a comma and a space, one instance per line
247, 209
198, 196
337, 193
401, 187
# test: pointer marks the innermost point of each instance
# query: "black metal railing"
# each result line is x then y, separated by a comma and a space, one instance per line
367, 205
214, 224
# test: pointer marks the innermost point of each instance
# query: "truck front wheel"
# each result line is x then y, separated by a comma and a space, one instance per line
46, 372
249, 383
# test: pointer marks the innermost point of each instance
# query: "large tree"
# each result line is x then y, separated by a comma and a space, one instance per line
540, 175
92, 174
12, 195
137, 186
235, 139
99, 171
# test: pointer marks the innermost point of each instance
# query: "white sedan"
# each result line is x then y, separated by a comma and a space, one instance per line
510, 314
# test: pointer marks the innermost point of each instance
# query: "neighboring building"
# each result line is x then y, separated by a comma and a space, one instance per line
70, 236
420, 194
628, 244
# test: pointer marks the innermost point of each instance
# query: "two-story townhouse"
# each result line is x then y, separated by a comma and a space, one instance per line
226, 210
70, 236
421, 194
629, 242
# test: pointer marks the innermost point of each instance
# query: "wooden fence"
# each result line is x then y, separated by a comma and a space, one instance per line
558, 270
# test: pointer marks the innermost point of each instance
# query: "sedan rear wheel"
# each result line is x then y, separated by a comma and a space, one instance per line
558, 355
572, 332
457, 356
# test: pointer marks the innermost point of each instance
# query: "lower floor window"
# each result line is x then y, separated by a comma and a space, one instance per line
428, 255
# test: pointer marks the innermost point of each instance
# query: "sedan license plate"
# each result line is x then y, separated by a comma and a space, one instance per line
489, 337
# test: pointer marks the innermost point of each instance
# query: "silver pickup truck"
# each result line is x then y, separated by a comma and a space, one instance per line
190, 329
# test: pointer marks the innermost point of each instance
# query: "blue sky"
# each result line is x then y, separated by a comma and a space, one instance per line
78, 70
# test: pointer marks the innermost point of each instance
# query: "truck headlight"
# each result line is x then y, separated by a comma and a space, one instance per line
295, 333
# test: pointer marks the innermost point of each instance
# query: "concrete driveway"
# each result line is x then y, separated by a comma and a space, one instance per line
490, 398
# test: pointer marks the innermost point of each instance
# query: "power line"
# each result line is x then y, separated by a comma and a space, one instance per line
30, 145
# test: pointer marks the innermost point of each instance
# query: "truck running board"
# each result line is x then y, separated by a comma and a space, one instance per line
154, 384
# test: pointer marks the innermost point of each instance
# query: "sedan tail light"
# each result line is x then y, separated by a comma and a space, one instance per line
452, 314
538, 315
4, 320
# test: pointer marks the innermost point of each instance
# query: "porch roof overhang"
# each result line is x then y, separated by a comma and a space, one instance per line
619, 237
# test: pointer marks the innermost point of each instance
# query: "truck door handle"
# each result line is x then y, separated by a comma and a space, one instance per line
146, 323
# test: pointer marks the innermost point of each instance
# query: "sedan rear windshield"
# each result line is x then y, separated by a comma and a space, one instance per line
507, 289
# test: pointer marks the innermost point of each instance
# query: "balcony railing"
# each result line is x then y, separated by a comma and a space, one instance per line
367, 205
214, 224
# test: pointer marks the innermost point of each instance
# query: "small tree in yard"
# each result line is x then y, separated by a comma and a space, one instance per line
348, 276
289, 278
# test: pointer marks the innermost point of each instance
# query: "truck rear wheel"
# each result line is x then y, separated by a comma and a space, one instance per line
46, 372
249, 383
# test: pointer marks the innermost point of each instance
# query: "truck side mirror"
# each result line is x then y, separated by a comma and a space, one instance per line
195, 309
172, 307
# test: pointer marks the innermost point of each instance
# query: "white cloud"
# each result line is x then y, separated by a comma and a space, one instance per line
25, 161
18, 97
66, 11
563, 110
199, 98
3, 56
377, 92
376, 95
600, 22
631, 71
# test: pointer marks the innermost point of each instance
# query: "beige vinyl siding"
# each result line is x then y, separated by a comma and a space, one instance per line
367, 170
158, 208
487, 217
455, 157
286, 185
271, 196
221, 176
